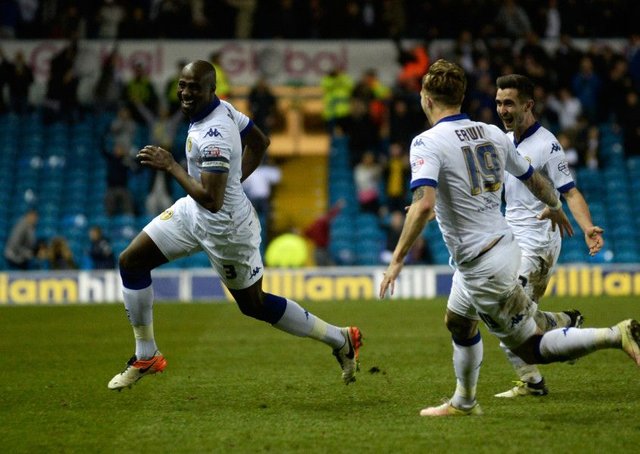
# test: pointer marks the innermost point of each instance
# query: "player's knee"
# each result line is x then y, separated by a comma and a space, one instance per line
461, 327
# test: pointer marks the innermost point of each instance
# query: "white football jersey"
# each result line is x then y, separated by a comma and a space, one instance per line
214, 145
540, 147
466, 160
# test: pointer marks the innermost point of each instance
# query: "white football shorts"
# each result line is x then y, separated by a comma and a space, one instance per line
233, 250
538, 266
487, 288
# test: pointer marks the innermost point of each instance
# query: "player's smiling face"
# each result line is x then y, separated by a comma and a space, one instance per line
194, 92
510, 108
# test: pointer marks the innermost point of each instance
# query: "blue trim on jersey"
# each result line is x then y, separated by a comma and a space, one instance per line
528, 133
567, 187
527, 174
206, 111
246, 128
423, 182
456, 117
467, 342
215, 170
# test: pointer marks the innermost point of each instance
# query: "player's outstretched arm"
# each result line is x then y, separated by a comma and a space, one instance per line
542, 189
419, 214
580, 211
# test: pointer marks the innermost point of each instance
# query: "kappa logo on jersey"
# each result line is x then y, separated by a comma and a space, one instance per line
418, 142
564, 167
212, 133
555, 147
416, 164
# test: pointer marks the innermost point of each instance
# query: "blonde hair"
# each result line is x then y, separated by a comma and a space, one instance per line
445, 82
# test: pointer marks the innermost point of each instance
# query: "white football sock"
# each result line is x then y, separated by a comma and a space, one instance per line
571, 343
300, 322
139, 307
466, 364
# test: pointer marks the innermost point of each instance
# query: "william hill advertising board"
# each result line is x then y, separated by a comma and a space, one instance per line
312, 284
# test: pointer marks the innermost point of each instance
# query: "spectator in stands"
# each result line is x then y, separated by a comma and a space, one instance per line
118, 198
136, 25
5, 69
100, 251
319, 233
336, 87
110, 15
633, 57
630, 122
566, 60
567, 107
20, 80
414, 64
163, 128
41, 256
367, 175
512, 20
586, 85
374, 94
171, 88
140, 89
616, 84
552, 20
9, 17
263, 105
223, 86
60, 255
570, 152
363, 133
259, 187
62, 88
419, 252
396, 176
108, 88
20, 247
123, 128
404, 122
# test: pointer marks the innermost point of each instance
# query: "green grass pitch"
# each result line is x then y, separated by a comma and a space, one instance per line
237, 385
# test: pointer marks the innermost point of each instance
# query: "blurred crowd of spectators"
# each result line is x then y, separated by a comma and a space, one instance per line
313, 19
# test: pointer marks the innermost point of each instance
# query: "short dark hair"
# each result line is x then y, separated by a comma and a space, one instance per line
518, 82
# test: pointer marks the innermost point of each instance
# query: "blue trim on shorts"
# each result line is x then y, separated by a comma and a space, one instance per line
468, 342
274, 307
135, 280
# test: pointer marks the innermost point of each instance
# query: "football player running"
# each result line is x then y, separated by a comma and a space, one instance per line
223, 148
457, 173
540, 244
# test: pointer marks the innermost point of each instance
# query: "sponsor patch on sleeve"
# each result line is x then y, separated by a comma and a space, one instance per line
214, 159
563, 167
416, 164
